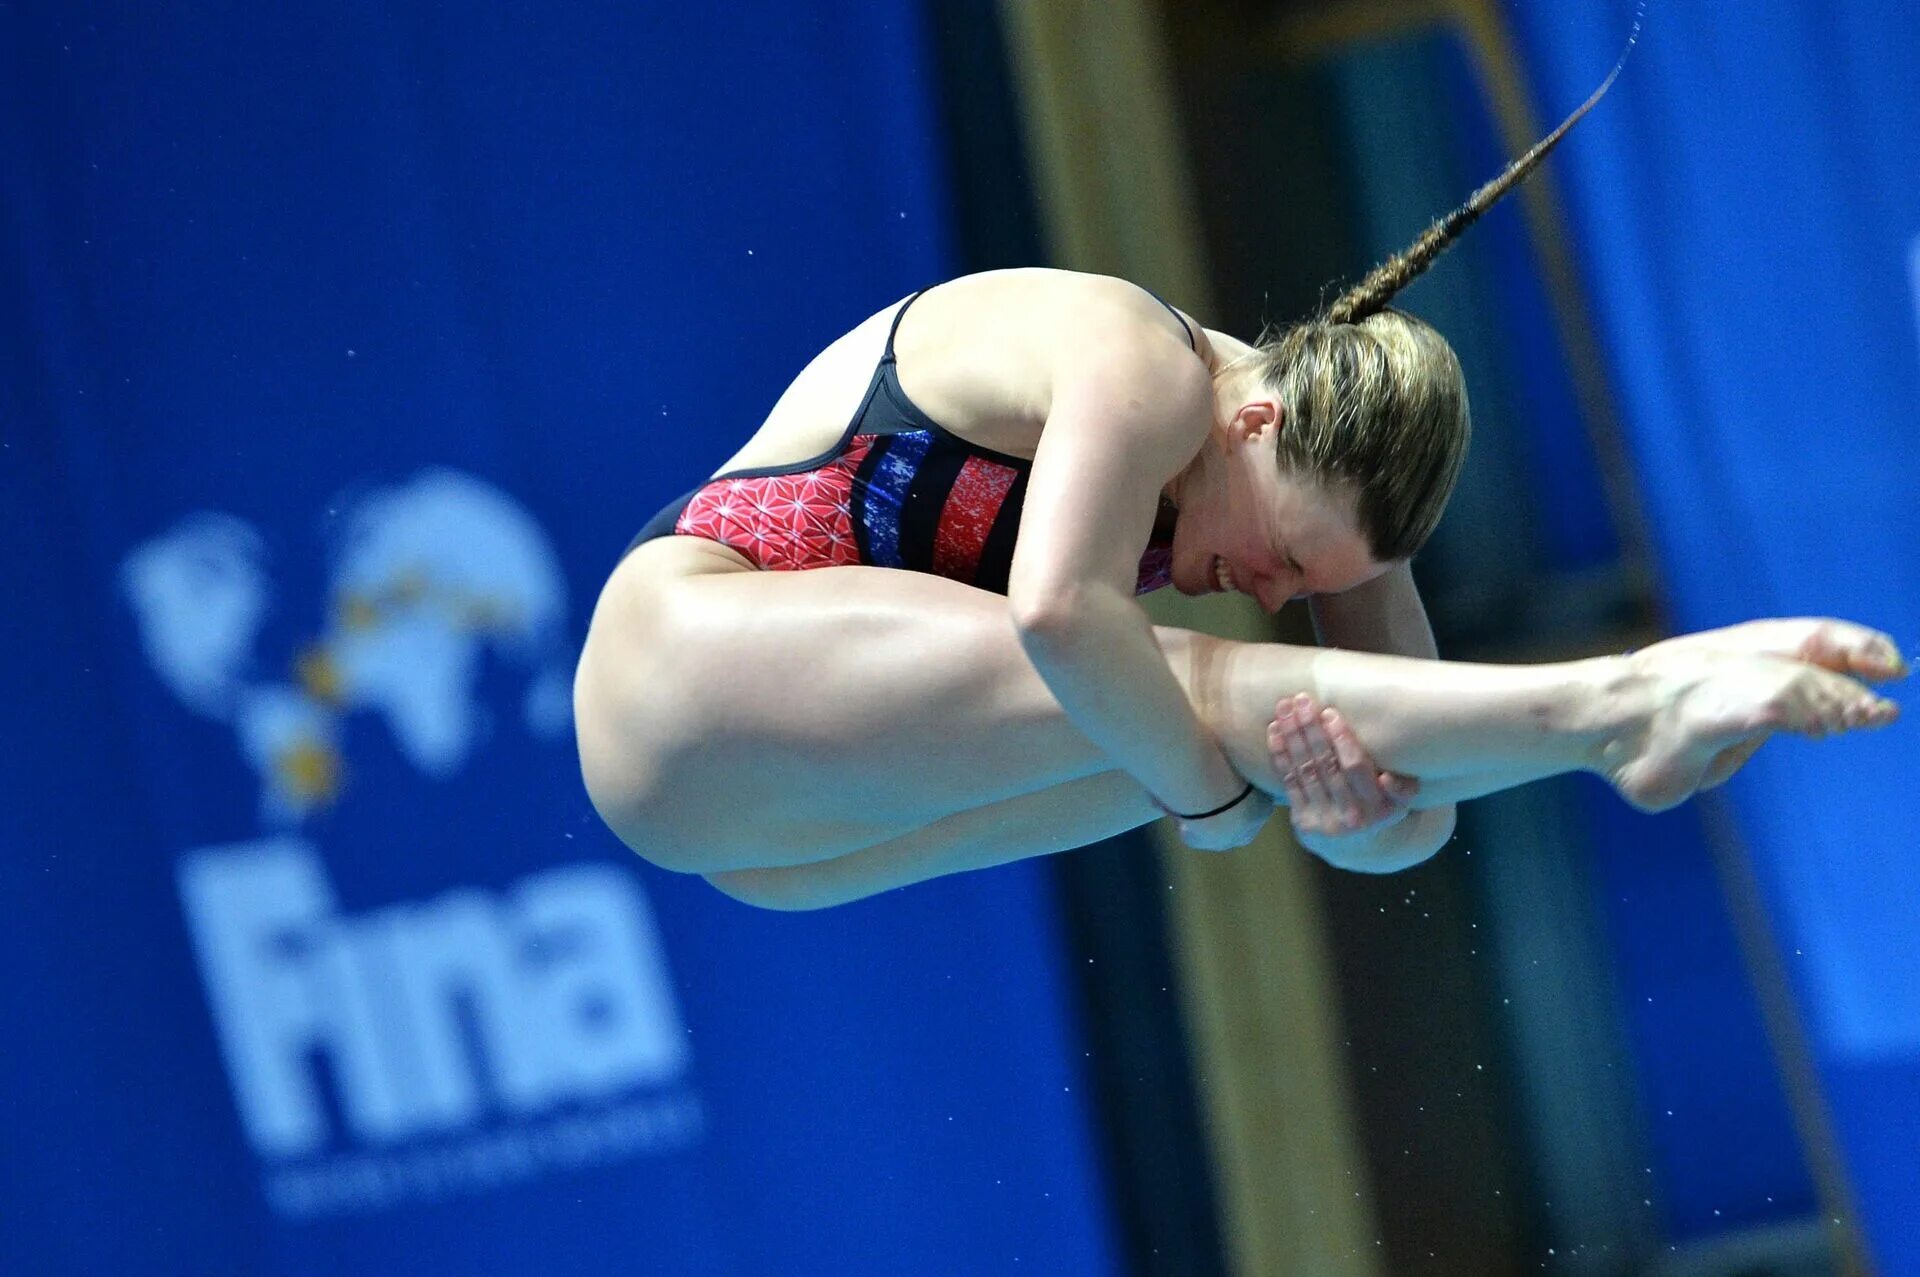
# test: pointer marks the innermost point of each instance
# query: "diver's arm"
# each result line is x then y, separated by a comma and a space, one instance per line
1125, 415
1384, 615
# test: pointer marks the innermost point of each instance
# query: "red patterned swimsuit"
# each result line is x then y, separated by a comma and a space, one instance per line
897, 491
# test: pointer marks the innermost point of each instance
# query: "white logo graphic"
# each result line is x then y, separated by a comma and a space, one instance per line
425, 579
425, 1048
428, 1015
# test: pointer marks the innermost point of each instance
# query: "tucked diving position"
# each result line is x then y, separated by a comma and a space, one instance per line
897, 635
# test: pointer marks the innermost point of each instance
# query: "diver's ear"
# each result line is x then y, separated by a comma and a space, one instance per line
1257, 415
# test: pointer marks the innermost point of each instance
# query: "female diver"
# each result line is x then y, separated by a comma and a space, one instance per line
896, 635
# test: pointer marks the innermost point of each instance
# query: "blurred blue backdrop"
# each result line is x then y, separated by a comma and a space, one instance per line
1749, 224
347, 346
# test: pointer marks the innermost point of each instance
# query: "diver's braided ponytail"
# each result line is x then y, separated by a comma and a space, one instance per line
1372, 294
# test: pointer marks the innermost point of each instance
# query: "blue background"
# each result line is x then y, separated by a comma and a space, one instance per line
267, 260
1746, 210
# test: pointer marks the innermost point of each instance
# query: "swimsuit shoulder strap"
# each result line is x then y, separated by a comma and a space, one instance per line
888, 357
1170, 310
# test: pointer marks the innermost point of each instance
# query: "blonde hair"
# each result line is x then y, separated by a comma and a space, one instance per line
1375, 398
1376, 406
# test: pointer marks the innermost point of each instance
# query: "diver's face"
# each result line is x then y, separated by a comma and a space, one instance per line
1264, 533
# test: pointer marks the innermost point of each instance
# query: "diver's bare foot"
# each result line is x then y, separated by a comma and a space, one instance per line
1707, 710
1832, 644
1840, 646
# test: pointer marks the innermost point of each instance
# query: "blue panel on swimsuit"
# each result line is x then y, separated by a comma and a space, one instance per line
886, 493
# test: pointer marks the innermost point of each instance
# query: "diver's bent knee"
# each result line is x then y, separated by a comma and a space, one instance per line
1394, 860
1379, 866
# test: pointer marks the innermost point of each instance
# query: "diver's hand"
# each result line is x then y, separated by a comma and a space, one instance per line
1334, 789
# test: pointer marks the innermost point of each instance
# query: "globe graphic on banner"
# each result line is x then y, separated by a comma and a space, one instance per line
427, 579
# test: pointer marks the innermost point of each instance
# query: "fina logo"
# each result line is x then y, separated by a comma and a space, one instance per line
433, 1017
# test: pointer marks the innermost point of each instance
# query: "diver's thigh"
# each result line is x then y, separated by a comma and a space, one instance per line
787, 717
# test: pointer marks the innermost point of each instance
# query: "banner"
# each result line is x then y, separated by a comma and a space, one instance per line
346, 347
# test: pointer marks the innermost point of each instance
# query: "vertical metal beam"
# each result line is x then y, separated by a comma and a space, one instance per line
1101, 127
1252, 960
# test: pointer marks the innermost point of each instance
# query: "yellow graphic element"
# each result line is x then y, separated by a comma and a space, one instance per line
427, 584
489, 614
409, 586
309, 773
318, 675
466, 611
358, 612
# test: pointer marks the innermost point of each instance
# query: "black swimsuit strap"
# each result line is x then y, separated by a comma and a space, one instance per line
896, 324
1176, 314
